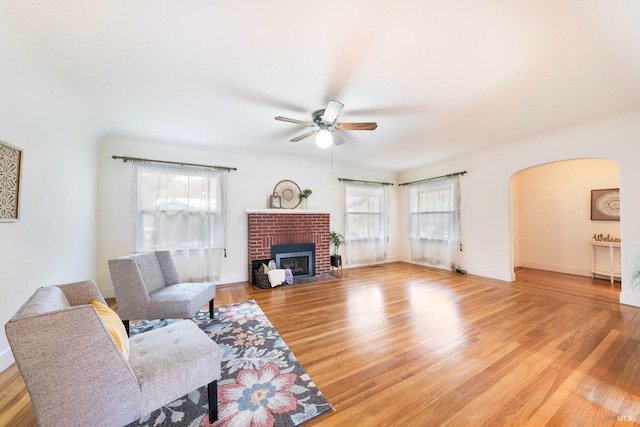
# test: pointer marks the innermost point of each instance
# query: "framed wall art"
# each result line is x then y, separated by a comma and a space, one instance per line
10, 168
605, 205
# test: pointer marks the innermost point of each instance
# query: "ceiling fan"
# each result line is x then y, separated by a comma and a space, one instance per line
326, 126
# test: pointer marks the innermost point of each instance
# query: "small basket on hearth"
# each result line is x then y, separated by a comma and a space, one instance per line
262, 279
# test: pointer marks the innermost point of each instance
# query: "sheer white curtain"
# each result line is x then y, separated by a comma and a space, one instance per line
434, 207
183, 210
366, 223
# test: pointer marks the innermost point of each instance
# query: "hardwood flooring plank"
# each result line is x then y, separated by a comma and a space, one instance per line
405, 345
550, 408
15, 405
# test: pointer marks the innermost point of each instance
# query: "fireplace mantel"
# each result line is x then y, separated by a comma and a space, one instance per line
285, 211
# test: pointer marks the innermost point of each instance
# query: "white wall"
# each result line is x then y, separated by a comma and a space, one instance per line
552, 216
55, 238
486, 218
249, 188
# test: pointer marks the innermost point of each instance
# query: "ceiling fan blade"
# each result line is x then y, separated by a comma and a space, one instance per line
304, 135
298, 122
332, 111
357, 126
256, 97
391, 110
337, 138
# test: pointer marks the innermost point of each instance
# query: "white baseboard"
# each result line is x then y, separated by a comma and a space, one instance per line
6, 359
368, 264
576, 271
498, 275
232, 279
491, 274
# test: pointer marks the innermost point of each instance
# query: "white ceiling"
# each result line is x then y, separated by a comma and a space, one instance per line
439, 77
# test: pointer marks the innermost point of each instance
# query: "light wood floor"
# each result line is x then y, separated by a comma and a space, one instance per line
402, 345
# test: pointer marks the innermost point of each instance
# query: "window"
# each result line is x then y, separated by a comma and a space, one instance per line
433, 211
365, 222
182, 210
178, 209
434, 221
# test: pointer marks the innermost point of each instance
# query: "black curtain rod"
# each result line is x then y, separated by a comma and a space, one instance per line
431, 179
141, 160
364, 182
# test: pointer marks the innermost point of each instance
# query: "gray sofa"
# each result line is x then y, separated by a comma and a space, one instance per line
76, 375
147, 286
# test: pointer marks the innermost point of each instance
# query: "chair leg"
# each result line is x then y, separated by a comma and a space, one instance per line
212, 389
126, 326
211, 309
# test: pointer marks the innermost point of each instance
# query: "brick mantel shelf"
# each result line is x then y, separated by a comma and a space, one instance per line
269, 227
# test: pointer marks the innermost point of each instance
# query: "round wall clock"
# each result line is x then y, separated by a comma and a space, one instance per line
289, 193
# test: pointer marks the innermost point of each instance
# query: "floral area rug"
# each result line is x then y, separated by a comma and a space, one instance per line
262, 382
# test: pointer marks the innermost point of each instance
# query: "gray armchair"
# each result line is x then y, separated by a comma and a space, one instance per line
147, 286
76, 374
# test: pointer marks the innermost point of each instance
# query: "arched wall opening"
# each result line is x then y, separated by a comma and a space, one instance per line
551, 225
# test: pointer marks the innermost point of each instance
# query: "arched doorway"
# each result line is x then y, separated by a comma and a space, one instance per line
551, 215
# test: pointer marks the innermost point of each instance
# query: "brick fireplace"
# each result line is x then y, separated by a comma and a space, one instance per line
268, 227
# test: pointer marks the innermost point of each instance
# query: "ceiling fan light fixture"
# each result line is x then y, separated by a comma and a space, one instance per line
324, 138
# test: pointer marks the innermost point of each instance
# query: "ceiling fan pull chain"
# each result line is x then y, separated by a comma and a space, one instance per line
332, 161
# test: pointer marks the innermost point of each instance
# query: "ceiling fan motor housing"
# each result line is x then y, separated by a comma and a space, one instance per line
317, 119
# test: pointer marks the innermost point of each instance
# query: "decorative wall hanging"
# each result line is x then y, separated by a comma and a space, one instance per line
605, 205
289, 194
10, 166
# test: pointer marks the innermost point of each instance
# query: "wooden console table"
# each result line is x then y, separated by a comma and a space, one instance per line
612, 272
